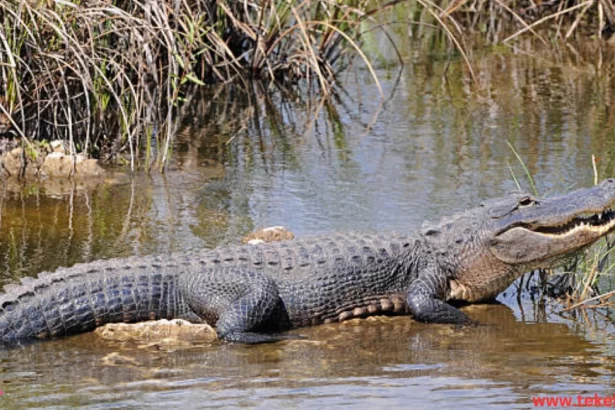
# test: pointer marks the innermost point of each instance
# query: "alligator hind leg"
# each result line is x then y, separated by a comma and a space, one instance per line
241, 302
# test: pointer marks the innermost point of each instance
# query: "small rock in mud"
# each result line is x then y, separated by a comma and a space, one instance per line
58, 164
89, 167
167, 332
10, 162
271, 234
49, 162
57, 146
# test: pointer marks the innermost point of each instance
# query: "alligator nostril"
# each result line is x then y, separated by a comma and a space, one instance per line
610, 180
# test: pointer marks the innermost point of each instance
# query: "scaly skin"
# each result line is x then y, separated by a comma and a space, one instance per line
80, 298
251, 292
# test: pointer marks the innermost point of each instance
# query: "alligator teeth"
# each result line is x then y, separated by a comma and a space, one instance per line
602, 224
599, 223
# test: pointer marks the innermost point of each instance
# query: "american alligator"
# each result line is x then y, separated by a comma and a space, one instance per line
251, 292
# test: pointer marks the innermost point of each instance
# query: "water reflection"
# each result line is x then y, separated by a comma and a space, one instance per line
43, 229
361, 363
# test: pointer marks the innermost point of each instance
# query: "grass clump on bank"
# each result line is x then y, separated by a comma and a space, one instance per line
107, 75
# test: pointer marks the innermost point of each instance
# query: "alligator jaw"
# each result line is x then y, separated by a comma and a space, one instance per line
547, 243
598, 224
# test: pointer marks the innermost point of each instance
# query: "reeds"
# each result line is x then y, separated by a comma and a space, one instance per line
108, 75
501, 21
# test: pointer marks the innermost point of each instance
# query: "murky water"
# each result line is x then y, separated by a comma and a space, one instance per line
372, 363
436, 146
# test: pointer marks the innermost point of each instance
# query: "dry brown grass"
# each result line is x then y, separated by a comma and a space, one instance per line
108, 76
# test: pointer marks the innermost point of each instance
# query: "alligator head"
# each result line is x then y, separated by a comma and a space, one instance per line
516, 234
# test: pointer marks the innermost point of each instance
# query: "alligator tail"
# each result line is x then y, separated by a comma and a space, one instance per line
81, 298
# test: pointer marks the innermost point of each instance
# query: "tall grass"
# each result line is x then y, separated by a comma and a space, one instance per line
466, 25
502, 21
108, 75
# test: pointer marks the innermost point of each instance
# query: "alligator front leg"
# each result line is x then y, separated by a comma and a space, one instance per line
425, 299
242, 303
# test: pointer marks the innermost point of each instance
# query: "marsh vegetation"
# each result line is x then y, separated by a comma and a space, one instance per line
109, 77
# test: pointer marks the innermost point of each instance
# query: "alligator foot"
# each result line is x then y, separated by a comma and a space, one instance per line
425, 305
437, 311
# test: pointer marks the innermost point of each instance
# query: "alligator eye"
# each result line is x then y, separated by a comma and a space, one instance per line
527, 201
